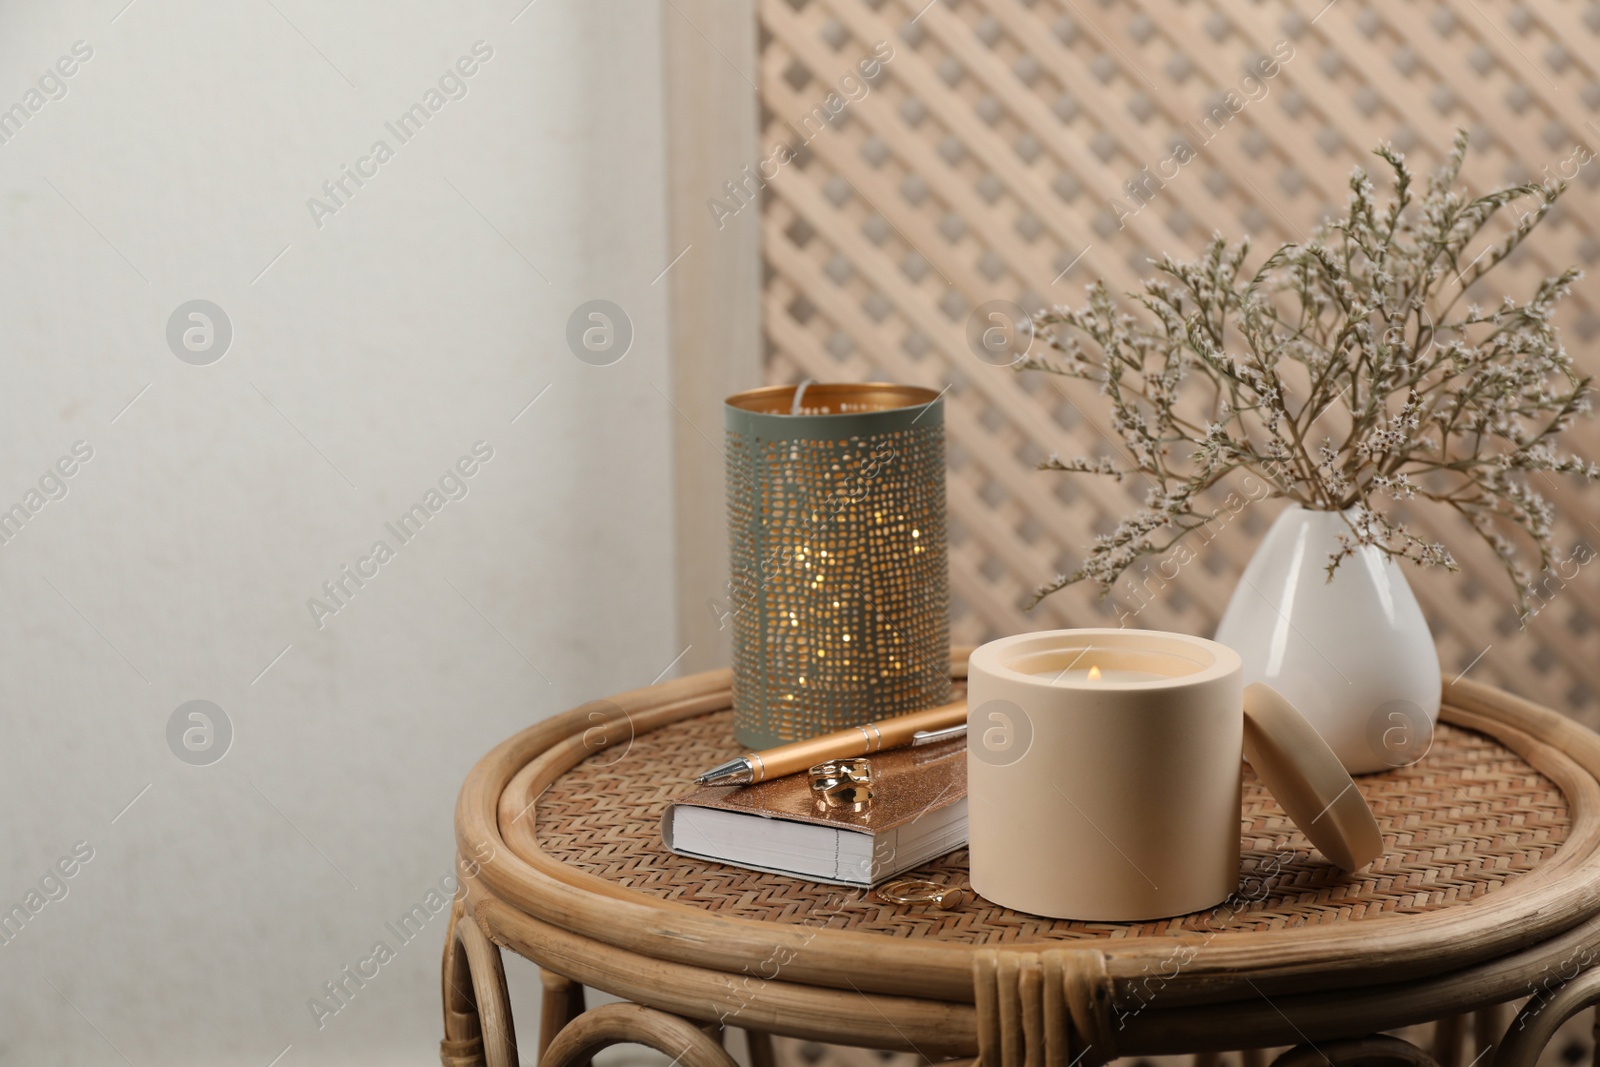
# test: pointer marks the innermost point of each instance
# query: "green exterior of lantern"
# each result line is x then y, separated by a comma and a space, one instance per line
840, 587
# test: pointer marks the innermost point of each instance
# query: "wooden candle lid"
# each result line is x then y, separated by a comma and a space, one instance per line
1301, 771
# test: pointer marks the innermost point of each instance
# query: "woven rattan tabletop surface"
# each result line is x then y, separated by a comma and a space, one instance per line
1468, 819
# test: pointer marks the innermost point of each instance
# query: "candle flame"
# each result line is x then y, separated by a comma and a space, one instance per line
1094, 674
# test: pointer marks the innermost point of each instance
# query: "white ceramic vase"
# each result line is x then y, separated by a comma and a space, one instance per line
1354, 654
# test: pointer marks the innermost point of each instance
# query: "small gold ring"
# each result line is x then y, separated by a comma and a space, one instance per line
858, 770
842, 784
922, 891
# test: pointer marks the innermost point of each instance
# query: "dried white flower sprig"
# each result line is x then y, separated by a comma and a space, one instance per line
1358, 329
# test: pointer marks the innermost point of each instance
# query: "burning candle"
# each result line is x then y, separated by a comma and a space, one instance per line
1103, 774
1095, 674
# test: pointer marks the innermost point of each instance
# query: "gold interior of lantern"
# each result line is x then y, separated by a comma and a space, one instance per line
833, 398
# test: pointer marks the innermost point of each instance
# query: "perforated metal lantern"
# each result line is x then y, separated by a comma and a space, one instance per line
840, 591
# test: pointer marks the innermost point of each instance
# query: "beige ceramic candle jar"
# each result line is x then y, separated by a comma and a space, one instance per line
1103, 774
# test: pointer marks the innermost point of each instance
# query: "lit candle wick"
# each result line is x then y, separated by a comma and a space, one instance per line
1094, 674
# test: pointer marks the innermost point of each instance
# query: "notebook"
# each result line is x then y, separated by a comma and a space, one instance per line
918, 812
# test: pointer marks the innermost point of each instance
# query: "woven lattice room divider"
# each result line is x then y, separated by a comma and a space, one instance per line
990, 158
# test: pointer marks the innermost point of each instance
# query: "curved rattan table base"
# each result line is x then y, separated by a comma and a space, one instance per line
1373, 1051
1491, 878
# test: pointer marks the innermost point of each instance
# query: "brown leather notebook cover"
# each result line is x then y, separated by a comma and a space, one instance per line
919, 803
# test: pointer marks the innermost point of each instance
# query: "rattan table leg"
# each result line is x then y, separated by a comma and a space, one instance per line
1488, 1024
1542, 1016
759, 1042
474, 976
614, 1024
563, 1002
1448, 1035
462, 1045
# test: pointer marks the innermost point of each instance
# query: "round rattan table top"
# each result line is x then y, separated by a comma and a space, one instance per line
1492, 845
1470, 818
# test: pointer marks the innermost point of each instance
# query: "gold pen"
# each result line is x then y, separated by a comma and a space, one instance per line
918, 728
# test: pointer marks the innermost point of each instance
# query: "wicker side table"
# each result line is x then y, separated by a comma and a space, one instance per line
1489, 891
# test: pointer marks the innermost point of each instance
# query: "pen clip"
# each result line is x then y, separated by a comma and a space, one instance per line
933, 737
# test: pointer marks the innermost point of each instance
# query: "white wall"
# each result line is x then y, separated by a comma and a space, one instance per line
365, 360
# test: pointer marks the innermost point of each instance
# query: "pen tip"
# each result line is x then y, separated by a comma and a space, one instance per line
733, 772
